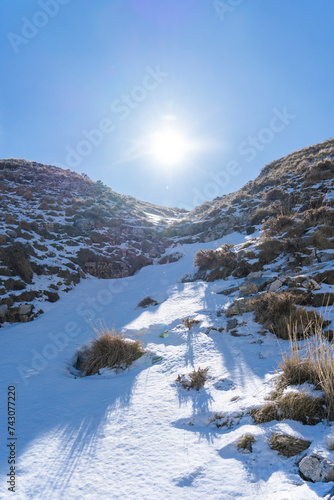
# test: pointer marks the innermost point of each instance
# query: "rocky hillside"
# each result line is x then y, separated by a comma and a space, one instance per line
300, 181
57, 226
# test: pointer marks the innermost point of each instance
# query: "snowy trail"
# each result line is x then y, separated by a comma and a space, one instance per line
137, 434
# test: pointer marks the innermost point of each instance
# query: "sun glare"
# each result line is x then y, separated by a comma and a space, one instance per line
169, 147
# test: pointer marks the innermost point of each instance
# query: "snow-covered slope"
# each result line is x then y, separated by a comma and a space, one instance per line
138, 434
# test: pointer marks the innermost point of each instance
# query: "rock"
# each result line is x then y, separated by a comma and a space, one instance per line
228, 291
313, 254
51, 296
314, 284
84, 225
325, 257
288, 445
12, 234
156, 359
3, 311
232, 323
254, 275
248, 289
240, 306
275, 286
316, 468
25, 309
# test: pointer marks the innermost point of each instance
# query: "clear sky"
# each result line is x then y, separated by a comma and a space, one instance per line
94, 85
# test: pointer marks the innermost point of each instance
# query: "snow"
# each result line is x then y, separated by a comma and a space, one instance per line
137, 434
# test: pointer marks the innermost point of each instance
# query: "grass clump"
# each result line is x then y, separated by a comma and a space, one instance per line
220, 263
288, 446
245, 443
270, 249
108, 350
298, 406
194, 380
312, 362
278, 311
190, 322
278, 225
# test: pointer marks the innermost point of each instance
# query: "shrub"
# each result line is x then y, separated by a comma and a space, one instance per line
86, 255
316, 216
321, 170
277, 312
274, 194
259, 215
195, 379
221, 262
319, 240
277, 225
270, 249
109, 350
16, 257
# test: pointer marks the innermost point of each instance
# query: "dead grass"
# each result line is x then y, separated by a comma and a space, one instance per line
245, 442
195, 380
278, 225
270, 249
320, 240
221, 262
190, 322
311, 362
109, 350
278, 311
298, 406
287, 445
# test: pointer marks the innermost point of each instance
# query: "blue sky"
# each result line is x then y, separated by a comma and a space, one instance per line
85, 84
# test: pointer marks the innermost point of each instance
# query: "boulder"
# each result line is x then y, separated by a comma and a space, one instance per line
232, 323
316, 468
3, 311
25, 309
276, 285
325, 257
240, 306
248, 289
254, 275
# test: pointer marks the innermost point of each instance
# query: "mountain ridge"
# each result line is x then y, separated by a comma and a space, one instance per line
58, 226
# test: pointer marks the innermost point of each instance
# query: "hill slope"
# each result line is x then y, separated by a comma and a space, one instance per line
57, 226
223, 301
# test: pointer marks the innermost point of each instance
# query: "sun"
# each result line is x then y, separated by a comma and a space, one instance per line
169, 146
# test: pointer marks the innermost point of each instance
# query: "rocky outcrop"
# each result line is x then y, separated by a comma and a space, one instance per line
316, 468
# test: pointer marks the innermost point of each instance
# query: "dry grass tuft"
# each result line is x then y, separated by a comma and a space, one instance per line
245, 442
109, 350
195, 380
298, 406
313, 362
287, 445
190, 322
278, 311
